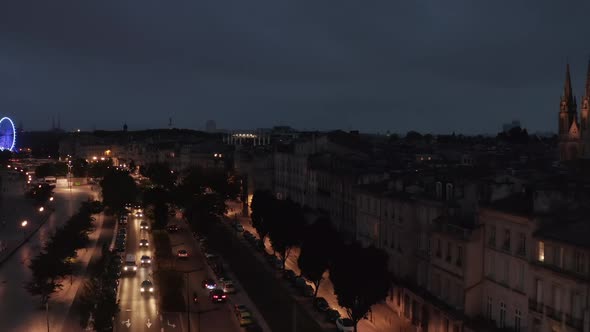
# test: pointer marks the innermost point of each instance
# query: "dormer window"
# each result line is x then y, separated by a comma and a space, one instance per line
439, 190
449, 193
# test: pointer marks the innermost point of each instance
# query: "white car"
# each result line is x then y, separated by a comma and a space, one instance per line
146, 259
345, 325
228, 286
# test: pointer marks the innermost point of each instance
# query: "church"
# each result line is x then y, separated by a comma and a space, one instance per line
574, 132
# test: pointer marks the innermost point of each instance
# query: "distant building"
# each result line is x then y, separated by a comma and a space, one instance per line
210, 126
508, 126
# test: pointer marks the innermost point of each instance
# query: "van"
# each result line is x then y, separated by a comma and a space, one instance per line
130, 265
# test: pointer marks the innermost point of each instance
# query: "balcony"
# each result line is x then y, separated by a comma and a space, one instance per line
576, 323
554, 314
536, 306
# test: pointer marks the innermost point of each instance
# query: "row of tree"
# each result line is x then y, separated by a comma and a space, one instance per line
99, 298
359, 275
56, 259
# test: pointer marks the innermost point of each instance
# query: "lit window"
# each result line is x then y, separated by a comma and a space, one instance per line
541, 251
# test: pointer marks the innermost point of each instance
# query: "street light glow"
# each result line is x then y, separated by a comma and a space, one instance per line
51, 199
24, 223
41, 209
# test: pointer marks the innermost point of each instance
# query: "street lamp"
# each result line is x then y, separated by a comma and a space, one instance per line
51, 199
24, 223
41, 209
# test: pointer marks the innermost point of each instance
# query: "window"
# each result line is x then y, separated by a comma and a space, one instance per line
449, 193
438, 253
459, 256
541, 253
491, 264
489, 307
558, 256
445, 290
492, 238
521, 244
438, 190
517, 319
520, 277
579, 265
502, 322
449, 252
506, 269
556, 298
539, 297
576, 305
506, 244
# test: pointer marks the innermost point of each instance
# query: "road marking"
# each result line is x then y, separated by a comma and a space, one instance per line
127, 322
171, 325
149, 324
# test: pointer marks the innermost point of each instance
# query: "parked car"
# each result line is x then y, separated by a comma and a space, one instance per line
238, 308
245, 318
227, 286
345, 325
321, 304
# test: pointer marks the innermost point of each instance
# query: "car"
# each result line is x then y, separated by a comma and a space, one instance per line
143, 243
130, 263
332, 315
209, 284
238, 308
120, 248
345, 325
172, 213
123, 220
245, 318
173, 228
289, 275
228, 286
182, 253
122, 237
144, 225
321, 304
147, 287
217, 295
128, 206
138, 207
122, 230
145, 259
138, 214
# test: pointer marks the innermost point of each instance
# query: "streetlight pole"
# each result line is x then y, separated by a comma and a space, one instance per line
47, 313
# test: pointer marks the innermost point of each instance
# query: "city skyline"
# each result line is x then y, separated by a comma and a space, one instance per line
427, 67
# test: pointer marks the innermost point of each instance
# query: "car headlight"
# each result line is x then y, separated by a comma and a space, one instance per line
151, 289
142, 289
125, 268
149, 261
135, 268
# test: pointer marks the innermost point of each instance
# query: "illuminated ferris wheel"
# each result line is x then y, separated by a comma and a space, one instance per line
7, 134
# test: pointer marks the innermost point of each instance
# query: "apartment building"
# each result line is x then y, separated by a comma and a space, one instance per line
560, 269
508, 225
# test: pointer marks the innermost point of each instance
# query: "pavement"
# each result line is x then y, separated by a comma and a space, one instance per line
383, 317
20, 311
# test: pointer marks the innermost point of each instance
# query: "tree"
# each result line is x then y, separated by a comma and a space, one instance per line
158, 198
118, 188
47, 270
98, 169
79, 168
51, 169
160, 174
361, 279
261, 206
5, 156
316, 250
286, 227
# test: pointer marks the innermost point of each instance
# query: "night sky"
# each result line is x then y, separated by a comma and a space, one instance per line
433, 66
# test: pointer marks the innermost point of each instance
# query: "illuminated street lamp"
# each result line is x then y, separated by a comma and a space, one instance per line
41, 209
24, 223
51, 199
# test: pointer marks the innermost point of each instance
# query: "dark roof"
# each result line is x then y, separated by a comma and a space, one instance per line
519, 204
576, 233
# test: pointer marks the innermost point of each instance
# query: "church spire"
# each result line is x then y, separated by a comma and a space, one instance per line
567, 89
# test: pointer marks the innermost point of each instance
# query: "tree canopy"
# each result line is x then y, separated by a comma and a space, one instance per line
118, 189
316, 251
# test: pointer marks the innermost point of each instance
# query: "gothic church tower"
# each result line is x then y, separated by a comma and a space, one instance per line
569, 128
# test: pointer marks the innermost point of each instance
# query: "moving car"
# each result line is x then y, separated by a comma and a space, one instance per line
345, 325
145, 259
130, 265
238, 308
146, 287
144, 225
209, 284
182, 253
321, 304
172, 228
217, 295
138, 214
227, 286
143, 243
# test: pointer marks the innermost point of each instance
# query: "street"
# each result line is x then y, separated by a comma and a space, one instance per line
383, 319
21, 311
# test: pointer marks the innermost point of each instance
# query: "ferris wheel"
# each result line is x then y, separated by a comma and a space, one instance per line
7, 134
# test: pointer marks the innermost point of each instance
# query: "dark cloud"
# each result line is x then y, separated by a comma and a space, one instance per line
440, 66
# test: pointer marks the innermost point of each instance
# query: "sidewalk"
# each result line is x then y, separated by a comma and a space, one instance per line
13, 211
383, 318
